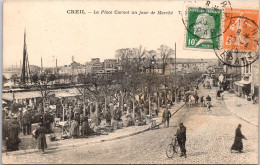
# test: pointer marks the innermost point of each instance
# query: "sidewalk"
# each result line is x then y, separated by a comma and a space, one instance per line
117, 134
242, 108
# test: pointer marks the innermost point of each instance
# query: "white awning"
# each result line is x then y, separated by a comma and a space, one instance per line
34, 94
242, 83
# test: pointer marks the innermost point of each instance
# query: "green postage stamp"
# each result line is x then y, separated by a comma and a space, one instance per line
203, 28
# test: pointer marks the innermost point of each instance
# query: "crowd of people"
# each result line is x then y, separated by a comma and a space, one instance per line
19, 119
81, 124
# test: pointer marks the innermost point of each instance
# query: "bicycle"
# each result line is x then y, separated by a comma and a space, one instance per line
173, 148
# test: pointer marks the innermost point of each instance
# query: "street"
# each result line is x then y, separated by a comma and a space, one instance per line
210, 135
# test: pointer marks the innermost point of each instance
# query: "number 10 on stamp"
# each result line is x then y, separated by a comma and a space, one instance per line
203, 28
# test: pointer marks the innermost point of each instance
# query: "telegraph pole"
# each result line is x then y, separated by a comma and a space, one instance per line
175, 73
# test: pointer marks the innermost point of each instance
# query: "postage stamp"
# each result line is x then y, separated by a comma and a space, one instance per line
240, 40
203, 28
242, 34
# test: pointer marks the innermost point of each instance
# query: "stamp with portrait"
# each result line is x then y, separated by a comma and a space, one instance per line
242, 35
203, 28
241, 40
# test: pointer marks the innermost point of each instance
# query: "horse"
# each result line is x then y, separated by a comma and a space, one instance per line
191, 100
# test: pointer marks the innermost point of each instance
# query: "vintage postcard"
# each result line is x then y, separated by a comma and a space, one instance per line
130, 82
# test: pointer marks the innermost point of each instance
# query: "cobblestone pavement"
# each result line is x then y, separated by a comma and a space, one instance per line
242, 108
210, 135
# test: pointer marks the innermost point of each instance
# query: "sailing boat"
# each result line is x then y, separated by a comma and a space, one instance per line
25, 76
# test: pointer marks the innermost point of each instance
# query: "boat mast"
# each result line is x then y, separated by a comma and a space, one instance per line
25, 68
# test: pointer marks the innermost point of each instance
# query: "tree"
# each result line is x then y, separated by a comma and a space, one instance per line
42, 82
93, 87
138, 57
14, 78
165, 53
132, 59
125, 57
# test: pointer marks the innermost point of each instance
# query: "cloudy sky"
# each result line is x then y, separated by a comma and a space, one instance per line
52, 33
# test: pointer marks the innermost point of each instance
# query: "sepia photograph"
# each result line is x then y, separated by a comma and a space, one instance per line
130, 82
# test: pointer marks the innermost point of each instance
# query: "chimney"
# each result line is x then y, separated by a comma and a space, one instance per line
41, 64
56, 65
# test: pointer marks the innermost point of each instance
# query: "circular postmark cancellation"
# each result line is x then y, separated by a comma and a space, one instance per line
241, 42
231, 32
203, 23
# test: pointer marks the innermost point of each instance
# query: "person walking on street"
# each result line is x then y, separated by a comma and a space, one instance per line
40, 136
208, 99
166, 116
181, 138
202, 101
238, 144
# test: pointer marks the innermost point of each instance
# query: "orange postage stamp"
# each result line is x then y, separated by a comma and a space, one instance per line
242, 31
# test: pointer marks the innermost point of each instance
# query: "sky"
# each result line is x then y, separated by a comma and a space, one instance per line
52, 33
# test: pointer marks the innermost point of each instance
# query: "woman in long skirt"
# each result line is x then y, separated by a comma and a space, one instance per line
238, 145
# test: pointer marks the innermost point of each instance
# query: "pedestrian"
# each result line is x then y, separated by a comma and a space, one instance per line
74, 128
47, 120
20, 119
166, 116
108, 118
238, 144
196, 99
208, 99
202, 101
181, 138
27, 123
84, 126
40, 136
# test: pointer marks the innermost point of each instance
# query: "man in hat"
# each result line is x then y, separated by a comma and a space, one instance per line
166, 116
181, 138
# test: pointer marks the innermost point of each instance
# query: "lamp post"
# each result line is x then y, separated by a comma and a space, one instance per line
152, 62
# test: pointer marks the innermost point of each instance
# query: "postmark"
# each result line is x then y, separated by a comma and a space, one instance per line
241, 41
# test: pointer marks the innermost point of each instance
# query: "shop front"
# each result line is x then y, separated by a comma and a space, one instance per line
243, 88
